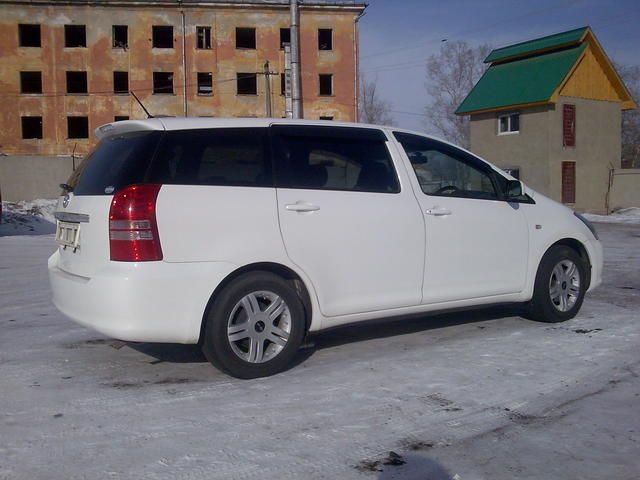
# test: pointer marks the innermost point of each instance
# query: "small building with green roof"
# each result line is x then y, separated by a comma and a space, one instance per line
549, 111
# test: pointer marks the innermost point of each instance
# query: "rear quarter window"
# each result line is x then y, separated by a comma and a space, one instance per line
225, 157
114, 163
333, 158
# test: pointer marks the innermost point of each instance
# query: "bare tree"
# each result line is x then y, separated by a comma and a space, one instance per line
631, 118
451, 74
371, 107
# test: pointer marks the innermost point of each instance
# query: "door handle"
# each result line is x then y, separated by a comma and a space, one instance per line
438, 211
302, 207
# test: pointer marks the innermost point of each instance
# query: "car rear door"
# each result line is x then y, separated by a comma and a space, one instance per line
348, 218
82, 213
476, 243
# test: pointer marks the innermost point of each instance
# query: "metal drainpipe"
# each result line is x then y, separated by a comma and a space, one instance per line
184, 61
356, 81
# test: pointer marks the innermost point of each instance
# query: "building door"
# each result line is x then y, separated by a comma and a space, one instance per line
568, 182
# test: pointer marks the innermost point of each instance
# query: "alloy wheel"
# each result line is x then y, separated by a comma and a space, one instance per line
564, 285
259, 326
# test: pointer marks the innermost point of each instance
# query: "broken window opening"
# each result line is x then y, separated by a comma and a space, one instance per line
203, 38
162, 83
77, 82
121, 82
247, 84
285, 37
326, 84
162, 36
29, 35
30, 82
205, 83
246, 38
120, 35
31, 127
77, 127
325, 39
75, 36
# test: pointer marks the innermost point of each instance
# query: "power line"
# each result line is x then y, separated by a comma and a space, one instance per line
108, 93
472, 30
421, 62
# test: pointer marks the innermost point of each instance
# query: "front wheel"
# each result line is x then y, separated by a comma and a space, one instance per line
255, 326
561, 283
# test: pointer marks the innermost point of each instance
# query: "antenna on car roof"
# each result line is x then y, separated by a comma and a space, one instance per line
141, 104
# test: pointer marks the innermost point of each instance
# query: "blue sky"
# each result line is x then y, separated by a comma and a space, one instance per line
396, 36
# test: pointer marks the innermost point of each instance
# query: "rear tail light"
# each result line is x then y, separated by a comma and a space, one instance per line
133, 230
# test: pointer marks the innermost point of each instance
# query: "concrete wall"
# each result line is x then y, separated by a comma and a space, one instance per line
597, 150
625, 189
527, 150
99, 59
31, 177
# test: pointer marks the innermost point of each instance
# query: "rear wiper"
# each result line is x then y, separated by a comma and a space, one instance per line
66, 187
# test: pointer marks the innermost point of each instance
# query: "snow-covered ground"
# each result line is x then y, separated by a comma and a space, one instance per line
624, 215
28, 218
467, 395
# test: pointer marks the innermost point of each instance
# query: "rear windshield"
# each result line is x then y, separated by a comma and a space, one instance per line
115, 162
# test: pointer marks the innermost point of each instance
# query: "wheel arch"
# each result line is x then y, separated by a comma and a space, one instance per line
276, 268
578, 247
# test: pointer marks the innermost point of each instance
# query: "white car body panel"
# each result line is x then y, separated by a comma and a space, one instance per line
360, 256
346, 245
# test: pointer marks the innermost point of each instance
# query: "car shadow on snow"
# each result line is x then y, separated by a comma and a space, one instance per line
369, 330
391, 327
170, 352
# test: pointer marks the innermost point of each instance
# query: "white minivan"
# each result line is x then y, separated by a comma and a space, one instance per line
245, 235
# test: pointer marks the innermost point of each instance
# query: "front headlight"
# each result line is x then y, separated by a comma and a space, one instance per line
588, 224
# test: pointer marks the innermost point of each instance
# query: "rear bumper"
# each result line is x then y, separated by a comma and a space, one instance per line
139, 302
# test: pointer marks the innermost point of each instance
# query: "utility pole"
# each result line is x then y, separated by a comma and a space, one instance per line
267, 84
288, 108
296, 91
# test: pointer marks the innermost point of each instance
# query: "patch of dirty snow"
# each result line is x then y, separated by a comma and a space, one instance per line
33, 217
624, 215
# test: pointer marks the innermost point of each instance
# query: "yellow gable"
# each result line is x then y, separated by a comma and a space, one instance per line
594, 78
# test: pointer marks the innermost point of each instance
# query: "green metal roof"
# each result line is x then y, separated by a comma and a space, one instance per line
528, 80
545, 43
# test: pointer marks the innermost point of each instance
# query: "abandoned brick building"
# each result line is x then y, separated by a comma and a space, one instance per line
68, 67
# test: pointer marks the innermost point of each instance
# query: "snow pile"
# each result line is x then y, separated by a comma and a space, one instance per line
34, 217
624, 215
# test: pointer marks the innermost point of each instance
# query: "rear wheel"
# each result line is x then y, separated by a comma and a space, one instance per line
255, 326
561, 283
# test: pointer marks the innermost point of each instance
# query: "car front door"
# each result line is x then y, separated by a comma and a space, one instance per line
476, 243
348, 217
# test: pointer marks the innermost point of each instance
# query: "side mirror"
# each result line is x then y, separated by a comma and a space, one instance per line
514, 190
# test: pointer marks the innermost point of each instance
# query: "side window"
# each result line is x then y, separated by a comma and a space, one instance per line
333, 158
231, 157
446, 171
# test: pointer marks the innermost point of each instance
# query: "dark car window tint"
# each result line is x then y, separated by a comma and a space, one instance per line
445, 170
234, 156
330, 158
114, 163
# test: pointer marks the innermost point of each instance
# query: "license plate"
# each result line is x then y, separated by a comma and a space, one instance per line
68, 234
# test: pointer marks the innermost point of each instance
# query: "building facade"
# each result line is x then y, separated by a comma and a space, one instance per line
68, 67
549, 112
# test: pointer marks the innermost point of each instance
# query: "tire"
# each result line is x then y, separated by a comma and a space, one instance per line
255, 326
559, 289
